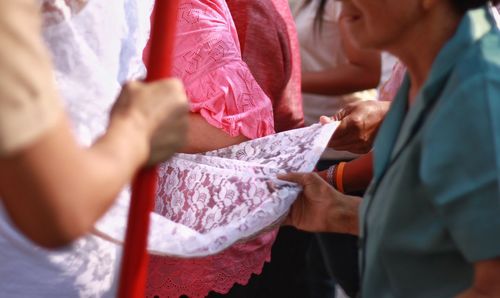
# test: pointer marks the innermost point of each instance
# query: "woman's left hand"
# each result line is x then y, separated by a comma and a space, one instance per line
321, 208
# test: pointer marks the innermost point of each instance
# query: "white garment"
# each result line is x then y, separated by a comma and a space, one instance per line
95, 50
88, 77
322, 50
206, 202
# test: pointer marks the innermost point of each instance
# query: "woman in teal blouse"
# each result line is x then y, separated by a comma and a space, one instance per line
429, 224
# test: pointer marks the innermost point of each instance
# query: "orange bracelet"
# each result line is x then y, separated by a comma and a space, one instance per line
339, 175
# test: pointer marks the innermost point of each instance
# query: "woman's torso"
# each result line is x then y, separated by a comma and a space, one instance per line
432, 209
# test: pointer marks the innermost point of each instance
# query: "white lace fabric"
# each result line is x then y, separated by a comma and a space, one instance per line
56, 11
88, 77
204, 202
207, 202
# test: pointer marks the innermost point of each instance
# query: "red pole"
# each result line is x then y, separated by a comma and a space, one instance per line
135, 257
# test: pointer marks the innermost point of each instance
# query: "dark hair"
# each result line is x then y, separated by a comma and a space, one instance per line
320, 11
463, 5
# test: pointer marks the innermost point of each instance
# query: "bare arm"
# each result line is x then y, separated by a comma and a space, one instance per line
357, 174
486, 280
203, 137
361, 72
54, 190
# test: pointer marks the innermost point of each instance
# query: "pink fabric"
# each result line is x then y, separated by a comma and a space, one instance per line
391, 86
222, 89
219, 84
270, 47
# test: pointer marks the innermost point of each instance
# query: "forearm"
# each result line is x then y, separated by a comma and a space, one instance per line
344, 218
357, 174
486, 280
203, 137
55, 190
344, 79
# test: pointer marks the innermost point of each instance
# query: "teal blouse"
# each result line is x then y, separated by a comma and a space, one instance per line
433, 208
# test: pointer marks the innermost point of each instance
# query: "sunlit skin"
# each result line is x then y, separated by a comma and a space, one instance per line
414, 31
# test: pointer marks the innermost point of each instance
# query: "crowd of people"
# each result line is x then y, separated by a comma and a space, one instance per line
405, 202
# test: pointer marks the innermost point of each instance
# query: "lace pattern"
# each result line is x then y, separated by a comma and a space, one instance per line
207, 202
56, 11
176, 229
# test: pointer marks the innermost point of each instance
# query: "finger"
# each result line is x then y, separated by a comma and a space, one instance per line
314, 178
325, 120
340, 115
342, 129
293, 177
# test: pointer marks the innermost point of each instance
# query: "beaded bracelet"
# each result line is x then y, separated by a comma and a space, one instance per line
330, 174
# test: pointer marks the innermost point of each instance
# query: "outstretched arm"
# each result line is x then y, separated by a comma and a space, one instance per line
357, 174
54, 190
362, 71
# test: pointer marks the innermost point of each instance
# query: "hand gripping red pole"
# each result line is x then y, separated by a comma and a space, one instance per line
135, 257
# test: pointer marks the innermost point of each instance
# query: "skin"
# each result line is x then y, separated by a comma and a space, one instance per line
356, 133
395, 26
360, 72
203, 137
321, 208
359, 125
54, 190
357, 174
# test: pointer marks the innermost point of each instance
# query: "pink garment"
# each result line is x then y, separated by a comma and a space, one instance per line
270, 47
221, 88
219, 84
391, 86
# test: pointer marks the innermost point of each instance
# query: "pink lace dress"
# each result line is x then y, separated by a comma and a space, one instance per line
222, 89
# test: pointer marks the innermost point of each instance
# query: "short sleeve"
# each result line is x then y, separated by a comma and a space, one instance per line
219, 84
29, 105
460, 166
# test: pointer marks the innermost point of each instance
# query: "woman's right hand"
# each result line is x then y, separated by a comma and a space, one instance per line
160, 111
359, 124
321, 208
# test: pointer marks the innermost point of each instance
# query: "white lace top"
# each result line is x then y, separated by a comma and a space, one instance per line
215, 199
88, 77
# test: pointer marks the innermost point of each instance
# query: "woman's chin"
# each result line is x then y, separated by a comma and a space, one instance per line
360, 36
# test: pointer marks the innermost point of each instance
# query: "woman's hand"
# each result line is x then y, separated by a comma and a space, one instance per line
359, 125
159, 110
320, 208
486, 280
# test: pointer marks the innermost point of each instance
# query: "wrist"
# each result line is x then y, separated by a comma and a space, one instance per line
344, 216
121, 131
330, 175
335, 176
